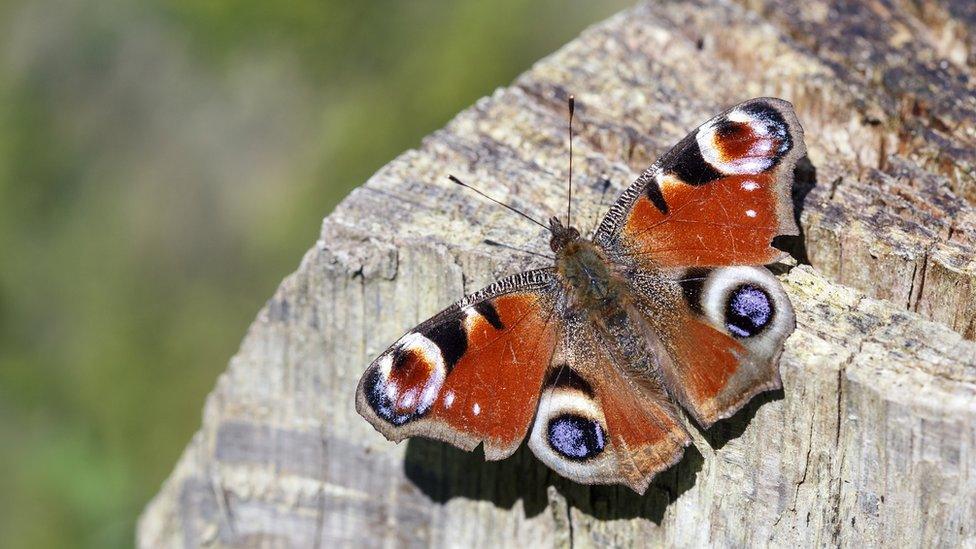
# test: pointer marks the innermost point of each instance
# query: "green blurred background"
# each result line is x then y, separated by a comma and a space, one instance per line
163, 164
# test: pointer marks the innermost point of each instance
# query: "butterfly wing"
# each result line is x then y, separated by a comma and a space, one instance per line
690, 229
600, 421
470, 374
721, 332
718, 197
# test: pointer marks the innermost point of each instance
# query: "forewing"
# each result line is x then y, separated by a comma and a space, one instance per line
718, 197
722, 331
599, 421
470, 374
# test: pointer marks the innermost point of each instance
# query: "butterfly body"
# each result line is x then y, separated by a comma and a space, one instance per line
600, 293
584, 270
592, 359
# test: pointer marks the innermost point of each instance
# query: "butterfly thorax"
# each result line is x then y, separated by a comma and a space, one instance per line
584, 270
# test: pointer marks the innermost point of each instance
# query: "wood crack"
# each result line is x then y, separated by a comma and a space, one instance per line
569, 522
915, 292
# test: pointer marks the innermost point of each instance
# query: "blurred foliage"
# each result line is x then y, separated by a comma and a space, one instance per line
163, 164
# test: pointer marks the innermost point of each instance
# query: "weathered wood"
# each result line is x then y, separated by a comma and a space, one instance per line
874, 436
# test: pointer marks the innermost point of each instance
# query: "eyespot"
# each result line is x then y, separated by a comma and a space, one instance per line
773, 123
576, 437
748, 310
404, 383
376, 389
749, 139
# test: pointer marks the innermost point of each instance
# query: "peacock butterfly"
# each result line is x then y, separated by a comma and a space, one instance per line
667, 304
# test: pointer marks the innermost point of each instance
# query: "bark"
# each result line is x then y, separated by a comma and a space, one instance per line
873, 438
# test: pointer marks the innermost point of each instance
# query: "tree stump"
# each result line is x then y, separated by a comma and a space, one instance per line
872, 439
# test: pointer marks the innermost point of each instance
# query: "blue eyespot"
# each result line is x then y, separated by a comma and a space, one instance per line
576, 437
774, 123
748, 311
376, 397
378, 401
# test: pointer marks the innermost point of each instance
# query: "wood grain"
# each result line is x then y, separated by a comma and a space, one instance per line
873, 438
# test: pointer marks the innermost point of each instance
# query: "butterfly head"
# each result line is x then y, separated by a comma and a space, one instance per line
561, 234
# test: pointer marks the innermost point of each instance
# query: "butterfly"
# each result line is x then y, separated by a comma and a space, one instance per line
667, 306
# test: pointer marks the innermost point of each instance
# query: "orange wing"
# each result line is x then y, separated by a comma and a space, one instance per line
718, 197
690, 229
472, 373
720, 337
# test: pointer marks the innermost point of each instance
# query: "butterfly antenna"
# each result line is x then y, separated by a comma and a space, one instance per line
515, 248
569, 200
500, 203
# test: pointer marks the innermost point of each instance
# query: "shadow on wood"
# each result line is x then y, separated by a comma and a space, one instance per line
805, 180
443, 472
732, 428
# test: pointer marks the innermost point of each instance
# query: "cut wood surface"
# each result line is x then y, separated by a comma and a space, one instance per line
872, 439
